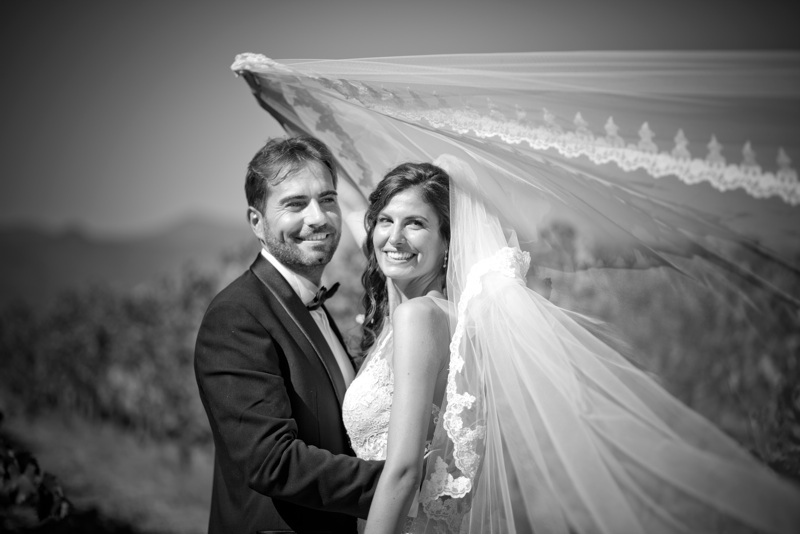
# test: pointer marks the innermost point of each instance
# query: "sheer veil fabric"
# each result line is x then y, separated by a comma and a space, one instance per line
597, 201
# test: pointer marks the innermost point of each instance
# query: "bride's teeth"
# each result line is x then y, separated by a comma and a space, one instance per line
399, 255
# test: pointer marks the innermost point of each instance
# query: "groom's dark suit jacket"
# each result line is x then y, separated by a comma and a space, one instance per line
273, 394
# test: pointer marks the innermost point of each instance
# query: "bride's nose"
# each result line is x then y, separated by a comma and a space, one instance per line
396, 237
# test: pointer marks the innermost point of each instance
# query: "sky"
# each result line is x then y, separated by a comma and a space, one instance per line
120, 118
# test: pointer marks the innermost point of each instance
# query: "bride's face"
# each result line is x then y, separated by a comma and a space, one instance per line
408, 245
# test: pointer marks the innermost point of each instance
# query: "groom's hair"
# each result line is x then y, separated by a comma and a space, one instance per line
278, 159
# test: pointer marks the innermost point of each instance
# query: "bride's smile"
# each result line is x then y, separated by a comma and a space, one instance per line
399, 256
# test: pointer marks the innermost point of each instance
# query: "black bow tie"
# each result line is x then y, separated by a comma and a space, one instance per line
322, 295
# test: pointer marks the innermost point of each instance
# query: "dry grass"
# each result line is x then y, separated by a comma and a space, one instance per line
132, 481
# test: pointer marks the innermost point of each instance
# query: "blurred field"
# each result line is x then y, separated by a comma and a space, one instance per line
100, 385
131, 481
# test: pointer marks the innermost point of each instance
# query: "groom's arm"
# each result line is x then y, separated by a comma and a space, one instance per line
242, 385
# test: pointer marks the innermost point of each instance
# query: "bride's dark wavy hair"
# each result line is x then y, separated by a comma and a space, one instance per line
433, 184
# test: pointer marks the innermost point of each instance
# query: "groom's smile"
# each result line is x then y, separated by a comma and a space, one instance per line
316, 238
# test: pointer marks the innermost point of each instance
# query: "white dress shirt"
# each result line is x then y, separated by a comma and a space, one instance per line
306, 290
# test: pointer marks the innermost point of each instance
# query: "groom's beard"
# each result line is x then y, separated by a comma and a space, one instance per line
296, 258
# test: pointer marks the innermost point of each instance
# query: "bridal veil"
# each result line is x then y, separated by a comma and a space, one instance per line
604, 205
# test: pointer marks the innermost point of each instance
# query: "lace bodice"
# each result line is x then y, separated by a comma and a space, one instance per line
368, 401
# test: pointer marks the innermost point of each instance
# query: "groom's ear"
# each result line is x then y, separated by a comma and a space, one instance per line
256, 220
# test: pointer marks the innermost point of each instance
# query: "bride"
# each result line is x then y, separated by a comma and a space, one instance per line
526, 412
406, 333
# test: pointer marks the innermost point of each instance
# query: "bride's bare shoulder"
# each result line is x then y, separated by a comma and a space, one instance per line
421, 316
417, 309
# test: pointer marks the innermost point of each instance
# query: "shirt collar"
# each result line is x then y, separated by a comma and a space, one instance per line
304, 288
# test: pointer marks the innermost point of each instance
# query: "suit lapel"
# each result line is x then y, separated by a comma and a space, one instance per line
336, 332
299, 322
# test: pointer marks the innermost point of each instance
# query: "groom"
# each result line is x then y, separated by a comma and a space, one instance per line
271, 366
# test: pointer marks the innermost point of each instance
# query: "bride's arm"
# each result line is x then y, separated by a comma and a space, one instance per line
421, 335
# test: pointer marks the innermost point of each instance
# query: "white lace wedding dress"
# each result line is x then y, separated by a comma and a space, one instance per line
368, 401
368, 404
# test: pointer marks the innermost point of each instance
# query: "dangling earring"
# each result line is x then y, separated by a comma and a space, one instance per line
444, 272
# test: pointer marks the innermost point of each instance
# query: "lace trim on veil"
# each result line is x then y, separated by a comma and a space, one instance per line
510, 262
609, 148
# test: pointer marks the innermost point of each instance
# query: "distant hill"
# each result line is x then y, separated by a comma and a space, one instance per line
36, 265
